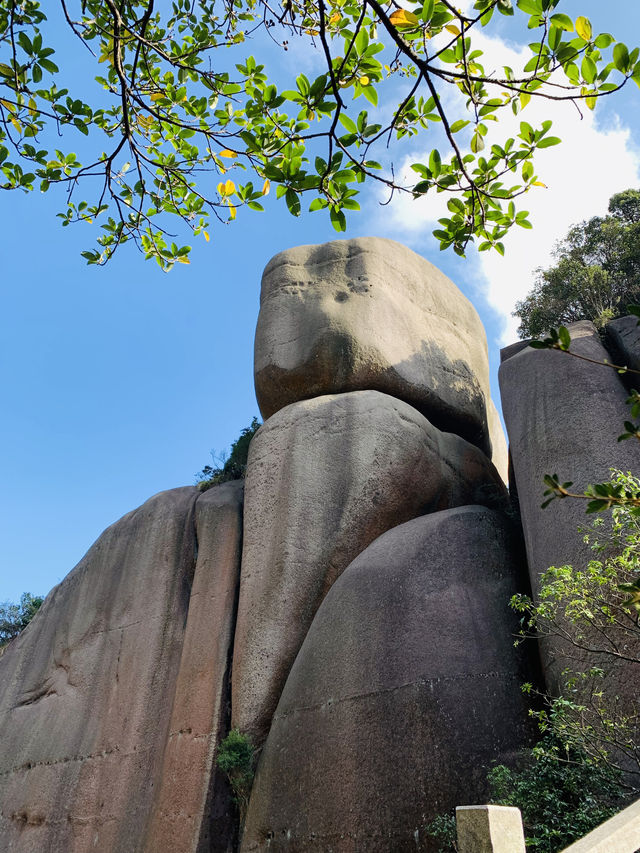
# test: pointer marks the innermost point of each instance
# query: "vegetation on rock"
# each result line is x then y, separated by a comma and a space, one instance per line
236, 758
594, 610
181, 110
597, 274
235, 466
14, 618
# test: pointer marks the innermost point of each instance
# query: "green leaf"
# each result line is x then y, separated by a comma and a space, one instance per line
338, 219
548, 141
621, 57
564, 22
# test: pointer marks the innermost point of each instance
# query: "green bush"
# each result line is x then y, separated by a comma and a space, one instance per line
236, 758
562, 793
14, 618
235, 466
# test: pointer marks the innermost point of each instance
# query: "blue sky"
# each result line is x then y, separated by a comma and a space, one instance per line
118, 382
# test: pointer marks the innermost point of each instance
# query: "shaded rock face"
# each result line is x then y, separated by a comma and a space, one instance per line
94, 714
325, 478
405, 690
624, 336
367, 314
563, 416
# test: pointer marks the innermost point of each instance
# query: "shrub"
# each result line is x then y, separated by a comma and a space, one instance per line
236, 758
14, 618
235, 466
562, 793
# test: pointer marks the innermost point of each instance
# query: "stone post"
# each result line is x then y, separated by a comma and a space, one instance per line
489, 829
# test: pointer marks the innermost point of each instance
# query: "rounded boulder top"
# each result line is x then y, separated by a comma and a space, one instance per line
370, 314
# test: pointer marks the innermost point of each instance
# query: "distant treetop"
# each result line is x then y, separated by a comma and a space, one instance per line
597, 274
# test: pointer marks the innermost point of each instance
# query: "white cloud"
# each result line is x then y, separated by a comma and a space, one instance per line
581, 174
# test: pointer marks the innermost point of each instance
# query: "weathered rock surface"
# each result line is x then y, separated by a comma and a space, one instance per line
192, 810
88, 723
325, 478
499, 448
563, 416
366, 314
405, 690
624, 334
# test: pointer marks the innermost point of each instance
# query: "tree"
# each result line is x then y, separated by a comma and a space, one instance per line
597, 274
14, 618
175, 113
594, 611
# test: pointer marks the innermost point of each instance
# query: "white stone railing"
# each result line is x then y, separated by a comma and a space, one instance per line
498, 829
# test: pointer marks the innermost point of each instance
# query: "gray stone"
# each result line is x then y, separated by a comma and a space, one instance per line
405, 690
624, 334
489, 829
192, 810
94, 713
564, 416
369, 313
499, 449
326, 477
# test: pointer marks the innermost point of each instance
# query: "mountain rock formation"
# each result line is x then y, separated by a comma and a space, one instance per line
349, 613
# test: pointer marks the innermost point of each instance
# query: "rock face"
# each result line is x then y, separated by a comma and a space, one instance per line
563, 416
371, 314
624, 334
192, 811
325, 478
405, 690
94, 716
499, 449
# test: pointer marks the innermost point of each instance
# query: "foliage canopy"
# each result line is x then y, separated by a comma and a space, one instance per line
176, 120
14, 618
235, 466
597, 274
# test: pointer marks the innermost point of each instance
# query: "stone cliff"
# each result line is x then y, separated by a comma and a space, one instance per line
347, 607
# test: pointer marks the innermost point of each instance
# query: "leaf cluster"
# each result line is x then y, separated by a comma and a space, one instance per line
14, 618
597, 272
181, 105
235, 466
236, 758
561, 792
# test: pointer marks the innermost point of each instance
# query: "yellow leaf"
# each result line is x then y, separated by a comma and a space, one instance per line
403, 18
227, 153
8, 105
232, 212
16, 124
364, 80
335, 18
539, 184
221, 190
525, 97
229, 188
157, 96
311, 32
184, 261
206, 236
583, 28
266, 187
591, 102
451, 28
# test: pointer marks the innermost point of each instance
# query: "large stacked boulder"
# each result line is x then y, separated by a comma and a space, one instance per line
95, 716
406, 689
365, 314
325, 478
370, 600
